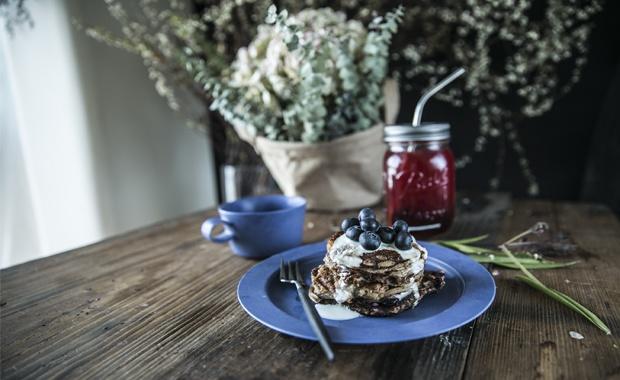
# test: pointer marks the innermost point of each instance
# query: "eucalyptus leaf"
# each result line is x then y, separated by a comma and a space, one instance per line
323, 61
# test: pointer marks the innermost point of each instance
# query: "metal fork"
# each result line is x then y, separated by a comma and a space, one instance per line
293, 275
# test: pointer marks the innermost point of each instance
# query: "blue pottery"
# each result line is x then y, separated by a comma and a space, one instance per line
469, 291
258, 227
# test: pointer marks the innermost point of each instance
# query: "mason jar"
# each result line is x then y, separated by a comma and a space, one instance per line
419, 177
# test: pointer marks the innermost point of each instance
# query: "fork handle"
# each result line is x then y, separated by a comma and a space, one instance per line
316, 323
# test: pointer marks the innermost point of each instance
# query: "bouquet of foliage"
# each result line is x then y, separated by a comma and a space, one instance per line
520, 55
310, 77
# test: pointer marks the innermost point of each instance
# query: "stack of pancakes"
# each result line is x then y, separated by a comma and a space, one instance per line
375, 283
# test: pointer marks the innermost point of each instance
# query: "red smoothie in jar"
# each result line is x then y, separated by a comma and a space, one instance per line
418, 174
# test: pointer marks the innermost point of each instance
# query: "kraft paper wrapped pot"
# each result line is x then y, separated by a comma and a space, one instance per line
340, 174
345, 173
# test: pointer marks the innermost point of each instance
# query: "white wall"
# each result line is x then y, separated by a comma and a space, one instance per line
18, 232
99, 152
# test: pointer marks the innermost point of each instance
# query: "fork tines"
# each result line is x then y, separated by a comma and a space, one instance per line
289, 272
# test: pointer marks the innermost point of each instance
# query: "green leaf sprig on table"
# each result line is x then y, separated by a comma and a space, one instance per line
505, 258
498, 257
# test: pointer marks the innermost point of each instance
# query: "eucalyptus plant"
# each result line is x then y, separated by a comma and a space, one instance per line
300, 78
520, 55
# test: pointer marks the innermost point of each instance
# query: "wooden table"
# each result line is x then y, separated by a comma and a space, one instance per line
160, 303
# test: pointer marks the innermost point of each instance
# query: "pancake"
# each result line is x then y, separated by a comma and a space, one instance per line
376, 282
322, 291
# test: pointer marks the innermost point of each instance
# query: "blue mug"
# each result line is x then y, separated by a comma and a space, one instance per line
258, 227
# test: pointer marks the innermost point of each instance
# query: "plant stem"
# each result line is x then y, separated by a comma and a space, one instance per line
518, 264
537, 228
564, 299
499, 258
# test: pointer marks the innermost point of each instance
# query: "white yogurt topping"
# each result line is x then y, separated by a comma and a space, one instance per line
413, 289
336, 312
417, 266
349, 253
345, 254
342, 291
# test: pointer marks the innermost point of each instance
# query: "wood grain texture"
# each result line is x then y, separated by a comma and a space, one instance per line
525, 334
160, 303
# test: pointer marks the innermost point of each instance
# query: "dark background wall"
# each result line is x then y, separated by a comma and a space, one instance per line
574, 149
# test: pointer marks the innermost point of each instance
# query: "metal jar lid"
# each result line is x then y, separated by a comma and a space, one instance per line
422, 132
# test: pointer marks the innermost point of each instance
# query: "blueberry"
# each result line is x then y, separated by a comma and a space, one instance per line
369, 225
349, 222
370, 240
386, 234
403, 240
366, 213
353, 232
400, 225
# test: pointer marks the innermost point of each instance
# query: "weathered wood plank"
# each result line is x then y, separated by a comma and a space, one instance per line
526, 334
442, 357
161, 302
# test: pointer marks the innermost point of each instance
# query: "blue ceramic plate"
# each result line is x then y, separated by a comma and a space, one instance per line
469, 291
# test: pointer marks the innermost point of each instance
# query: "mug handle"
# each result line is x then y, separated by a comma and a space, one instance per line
208, 226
